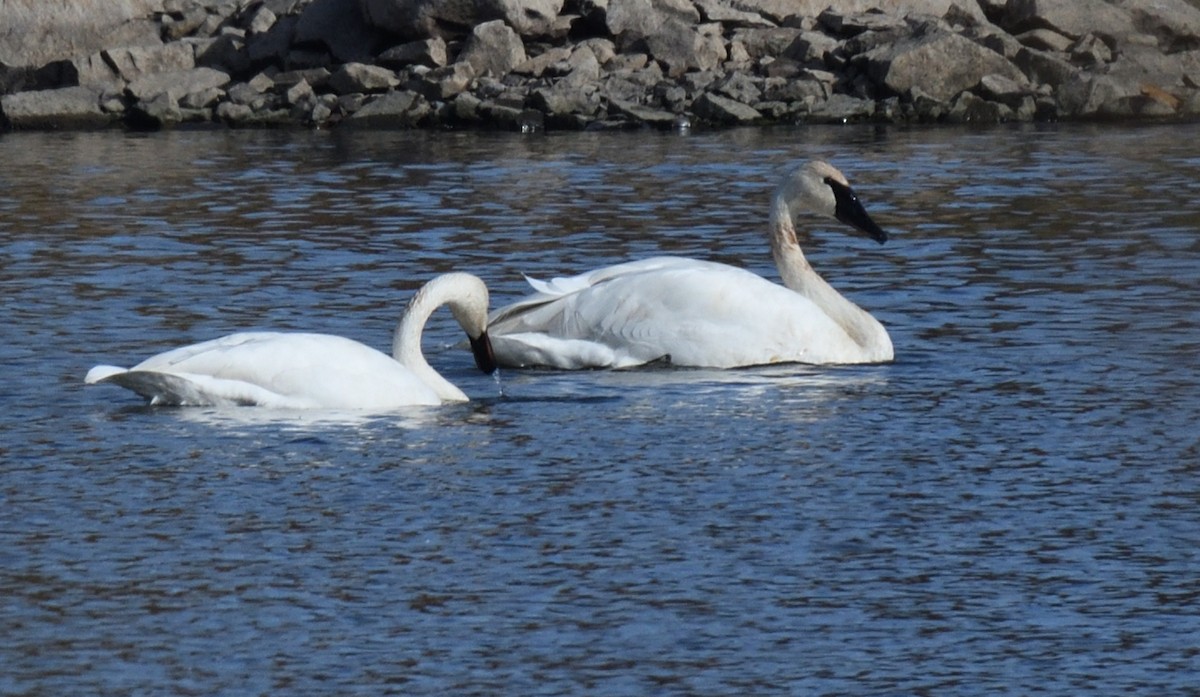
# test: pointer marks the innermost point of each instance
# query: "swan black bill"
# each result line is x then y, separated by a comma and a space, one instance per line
481, 348
852, 213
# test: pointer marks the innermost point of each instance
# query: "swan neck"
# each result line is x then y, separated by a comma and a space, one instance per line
406, 340
798, 275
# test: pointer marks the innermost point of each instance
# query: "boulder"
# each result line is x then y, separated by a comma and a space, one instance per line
728, 13
133, 62
423, 19
341, 27
36, 32
942, 64
68, 107
428, 52
392, 110
1071, 18
493, 48
723, 110
359, 77
176, 83
1174, 23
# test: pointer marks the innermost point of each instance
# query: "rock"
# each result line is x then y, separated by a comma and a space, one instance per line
422, 19
134, 62
427, 52
394, 110
942, 64
443, 83
1011, 93
722, 110
359, 77
176, 83
1044, 68
771, 43
561, 102
1085, 95
971, 108
650, 116
493, 48
36, 32
842, 108
340, 26
1044, 40
1072, 18
1174, 23
536, 66
728, 14
68, 107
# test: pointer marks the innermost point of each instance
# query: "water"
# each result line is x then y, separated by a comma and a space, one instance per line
1010, 507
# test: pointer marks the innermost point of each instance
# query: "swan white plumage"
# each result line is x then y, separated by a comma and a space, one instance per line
702, 313
315, 371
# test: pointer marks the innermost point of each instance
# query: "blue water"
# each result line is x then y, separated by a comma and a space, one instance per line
1012, 506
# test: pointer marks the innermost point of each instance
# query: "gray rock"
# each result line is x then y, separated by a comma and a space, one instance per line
1072, 18
1044, 68
650, 116
427, 52
714, 108
493, 48
1044, 40
1088, 50
134, 62
740, 88
537, 65
393, 110
682, 48
969, 108
728, 13
842, 108
68, 107
942, 64
764, 43
1174, 23
561, 101
36, 32
359, 77
226, 53
1085, 95
421, 19
1003, 90
444, 83
177, 84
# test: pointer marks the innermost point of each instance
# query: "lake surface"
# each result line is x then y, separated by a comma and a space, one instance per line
1011, 507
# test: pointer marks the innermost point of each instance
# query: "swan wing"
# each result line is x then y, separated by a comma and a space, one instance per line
694, 313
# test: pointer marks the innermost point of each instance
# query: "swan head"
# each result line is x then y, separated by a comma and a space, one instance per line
469, 305
819, 187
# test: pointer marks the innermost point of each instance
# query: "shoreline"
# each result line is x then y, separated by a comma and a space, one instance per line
532, 65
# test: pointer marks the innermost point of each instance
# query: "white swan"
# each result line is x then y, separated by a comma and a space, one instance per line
313, 371
701, 313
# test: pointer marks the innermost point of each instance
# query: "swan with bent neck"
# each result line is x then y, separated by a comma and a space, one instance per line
294, 370
691, 312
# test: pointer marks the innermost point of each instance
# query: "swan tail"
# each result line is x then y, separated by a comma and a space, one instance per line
101, 373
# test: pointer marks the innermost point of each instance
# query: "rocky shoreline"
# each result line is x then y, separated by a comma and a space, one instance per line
591, 64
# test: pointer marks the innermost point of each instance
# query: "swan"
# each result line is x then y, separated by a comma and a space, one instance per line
701, 313
294, 370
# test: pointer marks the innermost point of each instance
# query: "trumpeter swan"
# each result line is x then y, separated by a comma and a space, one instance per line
306, 371
701, 313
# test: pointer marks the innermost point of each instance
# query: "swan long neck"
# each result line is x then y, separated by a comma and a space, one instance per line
799, 276
406, 341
